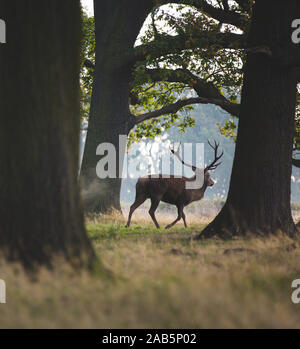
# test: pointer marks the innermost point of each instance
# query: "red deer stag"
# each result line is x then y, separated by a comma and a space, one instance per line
173, 189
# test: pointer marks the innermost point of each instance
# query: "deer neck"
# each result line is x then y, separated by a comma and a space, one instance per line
197, 194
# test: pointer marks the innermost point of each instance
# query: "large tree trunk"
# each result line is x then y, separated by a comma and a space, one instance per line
40, 209
259, 195
117, 26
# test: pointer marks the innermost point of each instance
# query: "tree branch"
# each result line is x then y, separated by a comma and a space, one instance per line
223, 16
260, 49
296, 162
89, 64
167, 44
244, 4
225, 5
204, 89
173, 108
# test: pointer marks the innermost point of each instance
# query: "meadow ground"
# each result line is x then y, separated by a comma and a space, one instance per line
161, 279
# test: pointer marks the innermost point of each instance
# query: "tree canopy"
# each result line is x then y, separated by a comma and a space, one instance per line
165, 80
189, 52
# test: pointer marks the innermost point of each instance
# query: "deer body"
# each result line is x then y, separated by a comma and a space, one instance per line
170, 189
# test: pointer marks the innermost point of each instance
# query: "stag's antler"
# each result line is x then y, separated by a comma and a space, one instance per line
176, 153
214, 165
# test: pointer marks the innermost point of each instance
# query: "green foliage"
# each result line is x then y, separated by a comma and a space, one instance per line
228, 129
87, 73
153, 96
213, 64
297, 122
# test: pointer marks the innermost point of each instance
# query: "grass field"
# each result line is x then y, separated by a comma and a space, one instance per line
161, 279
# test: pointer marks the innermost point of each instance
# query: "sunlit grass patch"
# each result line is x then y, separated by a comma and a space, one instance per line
100, 231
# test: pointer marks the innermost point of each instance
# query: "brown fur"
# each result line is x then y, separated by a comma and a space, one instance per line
171, 190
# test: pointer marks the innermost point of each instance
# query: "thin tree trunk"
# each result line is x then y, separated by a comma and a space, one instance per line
40, 209
259, 195
110, 95
117, 26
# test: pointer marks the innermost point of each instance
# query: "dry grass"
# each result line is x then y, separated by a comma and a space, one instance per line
162, 279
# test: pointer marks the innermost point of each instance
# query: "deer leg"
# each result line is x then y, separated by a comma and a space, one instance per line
183, 217
180, 212
134, 206
154, 205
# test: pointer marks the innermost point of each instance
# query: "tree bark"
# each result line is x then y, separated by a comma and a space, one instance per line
258, 200
40, 213
117, 26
